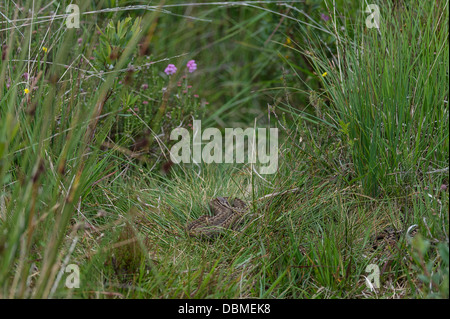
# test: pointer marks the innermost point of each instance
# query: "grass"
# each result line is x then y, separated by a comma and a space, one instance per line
85, 179
389, 95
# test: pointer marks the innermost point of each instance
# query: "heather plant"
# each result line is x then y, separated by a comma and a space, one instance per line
114, 41
145, 110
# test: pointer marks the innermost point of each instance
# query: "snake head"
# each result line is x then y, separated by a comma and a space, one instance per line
223, 201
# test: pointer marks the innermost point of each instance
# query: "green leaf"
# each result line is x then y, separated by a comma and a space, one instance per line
424, 279
444, 252
420, 244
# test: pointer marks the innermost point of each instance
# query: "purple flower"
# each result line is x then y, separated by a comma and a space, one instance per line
80, 40
192, 66
324, 17
25, 75
145, 102
171, 69
144, 86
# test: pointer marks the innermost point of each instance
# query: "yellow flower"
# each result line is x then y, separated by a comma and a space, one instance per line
325, 74
288, 41
44, 49
26, 91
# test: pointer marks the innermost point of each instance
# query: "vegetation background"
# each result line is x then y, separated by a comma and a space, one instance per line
85, 118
